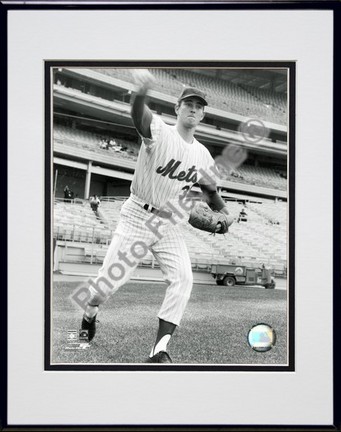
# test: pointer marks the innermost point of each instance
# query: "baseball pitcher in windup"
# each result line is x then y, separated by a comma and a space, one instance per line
170, 162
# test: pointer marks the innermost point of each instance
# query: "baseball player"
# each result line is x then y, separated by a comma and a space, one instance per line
170, 162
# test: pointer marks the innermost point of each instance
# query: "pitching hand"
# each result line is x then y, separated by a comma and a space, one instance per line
143, 78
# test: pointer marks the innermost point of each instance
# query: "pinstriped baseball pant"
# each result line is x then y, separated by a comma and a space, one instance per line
131, 241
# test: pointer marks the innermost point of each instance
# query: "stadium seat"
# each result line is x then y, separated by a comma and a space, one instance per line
256, 242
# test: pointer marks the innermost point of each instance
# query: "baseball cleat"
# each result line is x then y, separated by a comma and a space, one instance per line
160, 357
90, 325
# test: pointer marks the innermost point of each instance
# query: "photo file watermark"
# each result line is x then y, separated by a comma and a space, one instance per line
231, 158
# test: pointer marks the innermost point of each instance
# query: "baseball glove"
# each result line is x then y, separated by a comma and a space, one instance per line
205, 219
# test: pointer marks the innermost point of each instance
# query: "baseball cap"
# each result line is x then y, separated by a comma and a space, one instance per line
191, 91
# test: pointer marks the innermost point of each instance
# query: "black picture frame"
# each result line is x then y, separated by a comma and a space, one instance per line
301, 5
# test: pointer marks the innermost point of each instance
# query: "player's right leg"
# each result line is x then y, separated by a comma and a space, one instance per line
115, 271
128, 246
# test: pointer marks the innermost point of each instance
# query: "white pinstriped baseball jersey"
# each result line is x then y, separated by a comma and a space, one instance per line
167, 163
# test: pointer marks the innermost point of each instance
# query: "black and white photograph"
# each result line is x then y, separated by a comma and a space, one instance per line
170, 199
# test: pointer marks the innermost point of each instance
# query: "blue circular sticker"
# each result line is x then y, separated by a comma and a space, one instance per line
261, 337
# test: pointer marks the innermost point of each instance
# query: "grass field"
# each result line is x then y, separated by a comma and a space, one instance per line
213, 330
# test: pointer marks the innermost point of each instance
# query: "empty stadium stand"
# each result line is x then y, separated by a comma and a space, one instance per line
75, 221
260, 240
259, 176
128, 150
221, 94
92, 142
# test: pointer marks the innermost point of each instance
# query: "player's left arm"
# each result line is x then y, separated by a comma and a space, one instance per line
208, 185
212, 197
215, 201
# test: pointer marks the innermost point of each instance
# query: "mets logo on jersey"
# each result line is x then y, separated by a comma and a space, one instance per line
188, 176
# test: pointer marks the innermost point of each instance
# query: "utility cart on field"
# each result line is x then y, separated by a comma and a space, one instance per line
230, 275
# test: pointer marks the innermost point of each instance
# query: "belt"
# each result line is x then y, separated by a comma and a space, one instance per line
161, 213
